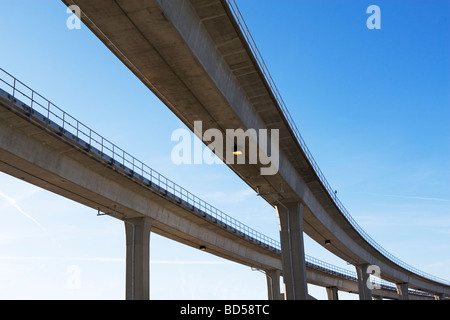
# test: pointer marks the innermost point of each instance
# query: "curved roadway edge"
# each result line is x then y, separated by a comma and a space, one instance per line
193, 56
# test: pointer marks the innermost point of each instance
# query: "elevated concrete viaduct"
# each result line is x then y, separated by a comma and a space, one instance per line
197, 57
48, 148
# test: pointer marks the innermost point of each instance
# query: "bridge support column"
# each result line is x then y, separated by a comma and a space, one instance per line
273, 284
439, 297
137, 233
290, 217
365, 293
402, 290
332, 293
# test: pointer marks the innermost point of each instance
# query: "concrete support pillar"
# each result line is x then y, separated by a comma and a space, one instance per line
332, 293
402, 290
137, 233
365, 293
290, 217
273, 284
439, 297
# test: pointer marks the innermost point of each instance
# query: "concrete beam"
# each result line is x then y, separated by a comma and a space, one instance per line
365, 293
137, 233
290, 218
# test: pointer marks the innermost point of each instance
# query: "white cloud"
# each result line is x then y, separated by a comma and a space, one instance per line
407, 197
202, 262
47, 258
7, 237
233, 197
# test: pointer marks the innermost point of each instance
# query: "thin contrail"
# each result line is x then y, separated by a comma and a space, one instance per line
407, 197
14, 204
189, 262
48, 258
110, 259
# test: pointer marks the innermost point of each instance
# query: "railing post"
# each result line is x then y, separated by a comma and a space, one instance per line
31, 103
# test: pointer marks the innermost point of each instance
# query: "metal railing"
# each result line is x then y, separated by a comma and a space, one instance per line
258, 57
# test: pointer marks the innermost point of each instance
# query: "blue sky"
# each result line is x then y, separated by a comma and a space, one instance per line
372, 105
